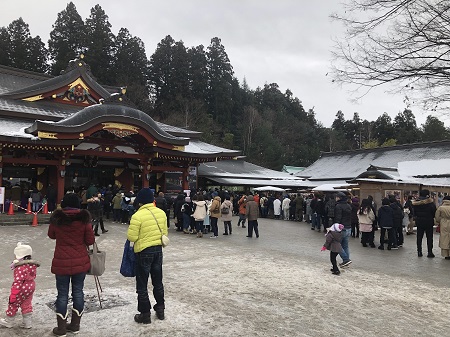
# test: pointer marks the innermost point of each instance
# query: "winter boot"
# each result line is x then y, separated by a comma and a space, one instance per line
74, 325
143, 318
26, 321
159, 312
8, 321
60, 330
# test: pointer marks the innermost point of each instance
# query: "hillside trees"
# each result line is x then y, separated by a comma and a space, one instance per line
191, 87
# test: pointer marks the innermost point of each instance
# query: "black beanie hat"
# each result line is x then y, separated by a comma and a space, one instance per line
145, 196
385, 201
424, 193
70, 200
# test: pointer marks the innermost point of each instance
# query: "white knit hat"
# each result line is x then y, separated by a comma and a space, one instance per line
22, 250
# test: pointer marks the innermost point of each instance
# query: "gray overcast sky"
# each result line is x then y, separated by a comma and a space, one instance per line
285, 42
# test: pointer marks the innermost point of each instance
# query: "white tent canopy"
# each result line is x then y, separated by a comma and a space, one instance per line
269, 188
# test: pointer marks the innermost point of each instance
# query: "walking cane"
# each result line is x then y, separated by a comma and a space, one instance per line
98, 285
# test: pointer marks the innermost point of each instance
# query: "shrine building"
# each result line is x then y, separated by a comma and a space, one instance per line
70, 131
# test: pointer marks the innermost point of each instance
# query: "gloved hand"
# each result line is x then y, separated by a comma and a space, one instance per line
12, 298
323, 249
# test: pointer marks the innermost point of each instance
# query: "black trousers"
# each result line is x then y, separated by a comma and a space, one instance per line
367, 237
253, 225
333, 256
392, 236
428, 231
227, 226
97, 222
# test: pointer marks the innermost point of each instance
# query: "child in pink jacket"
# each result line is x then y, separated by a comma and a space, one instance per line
22, 288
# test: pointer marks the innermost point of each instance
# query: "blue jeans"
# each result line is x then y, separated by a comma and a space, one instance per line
242, 219
149, 263
186, 221
345, 254
199, 226
315, 221
62, 285
36, 206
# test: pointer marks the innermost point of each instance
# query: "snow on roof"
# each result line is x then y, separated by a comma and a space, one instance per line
424, 167
350, 164
331, 187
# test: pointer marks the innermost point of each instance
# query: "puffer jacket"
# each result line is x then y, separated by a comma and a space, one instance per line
215, 207
367, 218
72, 230
200, 210
342, 213
252, 209
116, 201
424, 211
333, 241
144, 230
386, 217
24, 276
229, 216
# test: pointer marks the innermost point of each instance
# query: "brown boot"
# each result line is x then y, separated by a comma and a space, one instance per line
74, 325
60, 330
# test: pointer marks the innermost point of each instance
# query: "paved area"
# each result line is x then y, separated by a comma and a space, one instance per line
277, 285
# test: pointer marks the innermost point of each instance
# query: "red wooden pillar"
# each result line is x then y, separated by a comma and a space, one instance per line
185, 179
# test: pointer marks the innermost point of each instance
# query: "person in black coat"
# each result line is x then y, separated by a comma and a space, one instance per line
386, 223
398, 219
424, 211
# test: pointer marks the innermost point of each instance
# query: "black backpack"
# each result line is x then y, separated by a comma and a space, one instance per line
225, 209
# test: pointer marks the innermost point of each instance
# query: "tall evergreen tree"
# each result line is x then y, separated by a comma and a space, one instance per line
5, 46
37, 59
198, 72
25, 52
405, 128
100, 43
67, 38
220, 82
383, 129
434, 129
130, 66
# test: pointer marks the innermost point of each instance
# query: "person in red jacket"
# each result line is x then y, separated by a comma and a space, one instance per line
71, 228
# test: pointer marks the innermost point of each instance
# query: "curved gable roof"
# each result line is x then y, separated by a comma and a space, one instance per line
100, 113
76, 69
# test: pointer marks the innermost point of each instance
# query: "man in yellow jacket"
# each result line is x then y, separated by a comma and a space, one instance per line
147, 226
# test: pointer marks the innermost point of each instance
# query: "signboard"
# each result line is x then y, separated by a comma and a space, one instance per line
173, 182
192, 177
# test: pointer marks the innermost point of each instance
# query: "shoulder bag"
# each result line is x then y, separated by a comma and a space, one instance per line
97, 259
164, 238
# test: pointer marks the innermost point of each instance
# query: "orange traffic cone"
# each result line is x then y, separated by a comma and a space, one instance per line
35, 220
45, 210
28, 208
11, 209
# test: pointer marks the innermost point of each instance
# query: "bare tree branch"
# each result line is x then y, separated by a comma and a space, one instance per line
402, 42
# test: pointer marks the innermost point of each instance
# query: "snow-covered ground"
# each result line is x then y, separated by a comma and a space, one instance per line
277, 285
